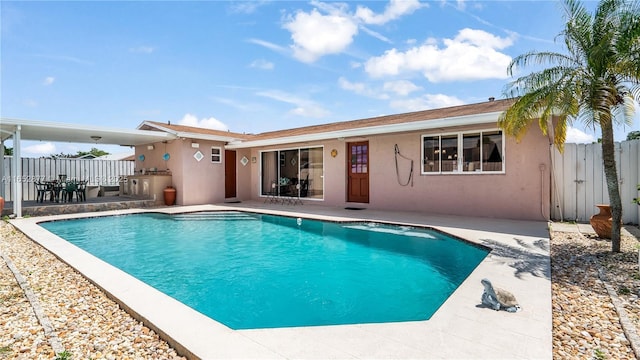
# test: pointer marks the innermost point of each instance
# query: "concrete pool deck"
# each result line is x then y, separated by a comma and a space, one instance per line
461, 328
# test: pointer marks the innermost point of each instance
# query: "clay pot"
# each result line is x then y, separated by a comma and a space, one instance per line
602, 221
169, 195
1, 204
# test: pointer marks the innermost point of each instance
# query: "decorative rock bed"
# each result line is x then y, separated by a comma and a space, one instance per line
88, 324
586, 324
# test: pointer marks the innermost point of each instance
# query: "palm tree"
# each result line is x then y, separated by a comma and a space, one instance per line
596, 82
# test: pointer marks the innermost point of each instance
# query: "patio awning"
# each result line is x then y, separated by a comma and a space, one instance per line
75, 133
19, 130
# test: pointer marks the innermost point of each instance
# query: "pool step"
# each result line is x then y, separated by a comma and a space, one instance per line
218, 215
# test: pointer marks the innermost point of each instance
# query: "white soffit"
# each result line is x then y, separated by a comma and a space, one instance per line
76, 133
487, 118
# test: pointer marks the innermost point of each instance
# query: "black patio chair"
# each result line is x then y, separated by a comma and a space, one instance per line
68, 190
42, 189
81, 191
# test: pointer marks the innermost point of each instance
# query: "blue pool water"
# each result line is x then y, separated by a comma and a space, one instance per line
258, 271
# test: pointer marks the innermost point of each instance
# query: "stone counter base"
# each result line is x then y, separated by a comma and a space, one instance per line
73, 208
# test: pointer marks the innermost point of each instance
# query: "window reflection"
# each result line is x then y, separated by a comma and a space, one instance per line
293, 173
464, 152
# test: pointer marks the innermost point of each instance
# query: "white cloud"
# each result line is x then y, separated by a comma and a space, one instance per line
142, 50
268, 45
247, 7
471, 55
315, 35
310, 111
394, 10
303, 107
401, 87
361, 89
240, 105
426, 102
330, 27
577, 136
38, 150
480, 38
262, 64
376, 35
49, 80
207, 123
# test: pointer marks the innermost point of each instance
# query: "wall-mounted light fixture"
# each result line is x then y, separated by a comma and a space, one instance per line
96, 138
195, 145
150, 147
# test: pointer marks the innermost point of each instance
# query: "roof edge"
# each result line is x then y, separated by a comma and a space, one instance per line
189, 135
484, 118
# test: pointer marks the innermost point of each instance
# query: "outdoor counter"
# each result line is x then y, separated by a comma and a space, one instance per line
147, 186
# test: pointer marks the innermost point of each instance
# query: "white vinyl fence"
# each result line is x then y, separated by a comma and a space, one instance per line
95, 172
579, 182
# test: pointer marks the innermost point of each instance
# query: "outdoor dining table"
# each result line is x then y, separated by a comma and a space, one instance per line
77, 187
62, 191
54, 188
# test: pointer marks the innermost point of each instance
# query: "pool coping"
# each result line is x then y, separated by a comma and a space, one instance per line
461, 328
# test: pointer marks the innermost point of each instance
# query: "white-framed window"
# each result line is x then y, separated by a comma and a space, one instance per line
470, 152
216, 154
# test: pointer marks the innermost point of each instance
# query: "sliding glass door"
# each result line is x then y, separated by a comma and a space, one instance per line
312, 173
293, 173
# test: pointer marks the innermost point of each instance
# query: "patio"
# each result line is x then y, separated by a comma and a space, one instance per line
92, 204
459, 329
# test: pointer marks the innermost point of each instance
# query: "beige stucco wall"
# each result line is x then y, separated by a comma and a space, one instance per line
196, 182
243, 174
522, 192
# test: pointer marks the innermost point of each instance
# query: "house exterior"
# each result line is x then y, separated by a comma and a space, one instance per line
452, 160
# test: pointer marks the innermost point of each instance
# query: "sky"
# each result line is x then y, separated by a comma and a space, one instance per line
256, 66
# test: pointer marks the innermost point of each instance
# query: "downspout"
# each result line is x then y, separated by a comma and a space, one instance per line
542, 167
552, 172
555, 182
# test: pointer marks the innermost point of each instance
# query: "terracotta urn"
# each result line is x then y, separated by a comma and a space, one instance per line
602, 221
1, 204
169, 195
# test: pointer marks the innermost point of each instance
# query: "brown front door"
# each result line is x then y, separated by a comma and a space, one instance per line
358, 172
229, 174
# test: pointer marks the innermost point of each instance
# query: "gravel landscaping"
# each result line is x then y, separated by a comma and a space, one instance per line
586, 324
88, 325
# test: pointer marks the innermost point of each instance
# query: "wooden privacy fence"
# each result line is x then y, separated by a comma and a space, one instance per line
95, 172
579, 183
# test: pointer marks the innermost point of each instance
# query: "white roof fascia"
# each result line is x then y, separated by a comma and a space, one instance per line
475, 119
190, 135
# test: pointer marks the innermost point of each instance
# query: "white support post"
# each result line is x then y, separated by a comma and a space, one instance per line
2, 179
17, 171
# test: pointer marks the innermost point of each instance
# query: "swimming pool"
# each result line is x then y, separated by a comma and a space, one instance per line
259, 271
